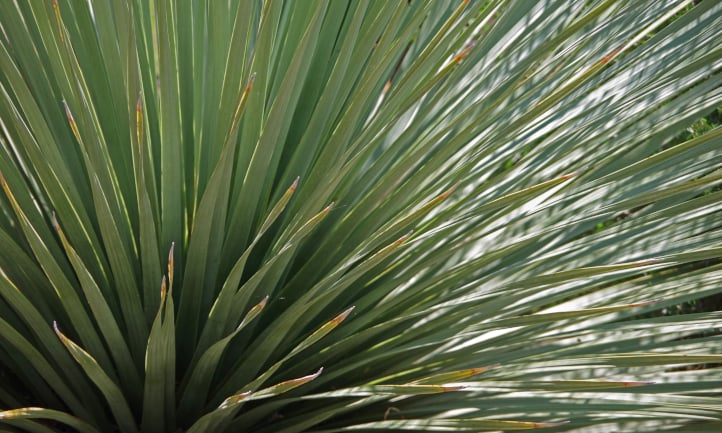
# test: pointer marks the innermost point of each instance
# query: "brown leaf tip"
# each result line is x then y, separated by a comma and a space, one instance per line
645, 303
449, 191
549, 424
341, 317
477, 370
234, 399
635, 384
54, 220
294, 185
403, 238
251, 79
328, 208
71, 119
452, 388
171, 262
646, 262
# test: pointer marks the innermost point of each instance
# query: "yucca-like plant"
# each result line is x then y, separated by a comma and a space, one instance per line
322, 216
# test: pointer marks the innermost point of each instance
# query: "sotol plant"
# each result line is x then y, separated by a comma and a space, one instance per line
321, 216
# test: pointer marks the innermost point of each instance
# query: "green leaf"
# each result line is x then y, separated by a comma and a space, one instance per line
116, 400
48, 414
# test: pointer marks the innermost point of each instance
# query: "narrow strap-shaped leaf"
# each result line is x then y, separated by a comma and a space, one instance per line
113, 396
64, 288
48, 414
451, 376
160, 362
42, 365
222, 307
452, 424
104, 318
207, 237
222, 416
197, 386
303, 345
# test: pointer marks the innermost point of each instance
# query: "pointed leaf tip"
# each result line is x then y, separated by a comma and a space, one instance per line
58, 19
71, 121
645, 303
570, 176
171, 264
234, 400
251, 79
163, 289
636, 384
54, 220
549, 424
403, 238
449, 191
284, 386
294, 185
647, 262
452, 376
341, 317
452, 388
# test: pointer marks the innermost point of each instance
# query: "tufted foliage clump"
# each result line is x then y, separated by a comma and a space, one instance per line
325, 216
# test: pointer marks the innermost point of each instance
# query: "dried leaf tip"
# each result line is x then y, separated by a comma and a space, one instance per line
251, 79
54, 221
444, 195
163, 289
71, 121
569, 176
171, 264
58, 18
609, 57
645, 303
452, 388
646, 262
549, 424
341, 317
478, 370
328, 208
68, 114
465, 51
635, 383
310, 377
259, 306
234, 399
294, 185
403, 238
